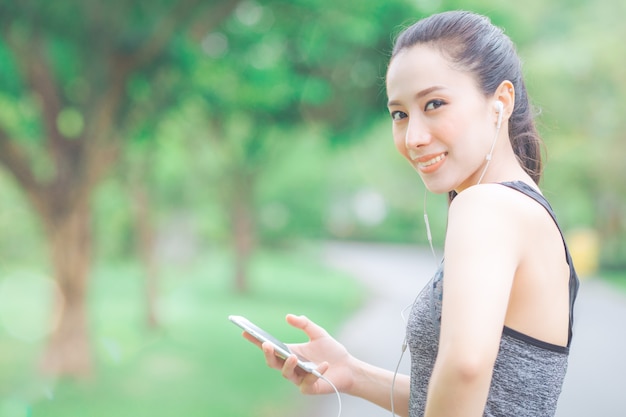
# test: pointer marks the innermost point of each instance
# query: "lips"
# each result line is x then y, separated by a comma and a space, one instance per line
429, 163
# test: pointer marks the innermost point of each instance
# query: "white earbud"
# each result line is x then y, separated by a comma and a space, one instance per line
500, 109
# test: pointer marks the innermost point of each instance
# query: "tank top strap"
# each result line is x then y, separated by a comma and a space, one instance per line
526, 189
574, 282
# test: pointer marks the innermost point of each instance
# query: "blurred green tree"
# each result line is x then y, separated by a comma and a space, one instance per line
68, 100
277, 70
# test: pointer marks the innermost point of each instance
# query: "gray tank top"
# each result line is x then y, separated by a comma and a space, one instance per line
528, 373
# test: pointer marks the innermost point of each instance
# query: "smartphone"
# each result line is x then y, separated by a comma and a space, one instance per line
281, 350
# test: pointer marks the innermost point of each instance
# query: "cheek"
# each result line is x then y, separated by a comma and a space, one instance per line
399, 136
458, 137
451, 130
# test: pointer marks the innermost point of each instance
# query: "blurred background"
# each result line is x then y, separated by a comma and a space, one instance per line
166, 163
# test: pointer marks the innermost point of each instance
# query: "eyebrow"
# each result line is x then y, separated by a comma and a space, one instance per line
420, 94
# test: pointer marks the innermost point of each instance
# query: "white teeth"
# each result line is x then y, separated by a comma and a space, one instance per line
432, 161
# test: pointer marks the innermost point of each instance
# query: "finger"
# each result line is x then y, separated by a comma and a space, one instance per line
272, 360
309, 327
289, 370
309, 384
251, 339
323, 367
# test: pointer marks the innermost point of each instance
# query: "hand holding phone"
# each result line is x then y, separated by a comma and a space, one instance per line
280, 349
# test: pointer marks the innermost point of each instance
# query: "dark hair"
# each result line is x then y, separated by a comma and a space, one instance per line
473, 44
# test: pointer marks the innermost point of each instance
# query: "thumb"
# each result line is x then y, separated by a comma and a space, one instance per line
307, 326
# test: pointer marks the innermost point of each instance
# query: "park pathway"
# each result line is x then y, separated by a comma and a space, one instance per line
595, 384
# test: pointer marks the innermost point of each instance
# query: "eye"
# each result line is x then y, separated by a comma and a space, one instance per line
398, 115
434, 104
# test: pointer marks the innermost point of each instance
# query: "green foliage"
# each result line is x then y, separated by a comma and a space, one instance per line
617, 278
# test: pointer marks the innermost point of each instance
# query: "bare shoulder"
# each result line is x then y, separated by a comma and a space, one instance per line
494, 212
493, 202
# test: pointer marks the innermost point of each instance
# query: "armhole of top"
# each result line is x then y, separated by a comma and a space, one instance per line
574, 282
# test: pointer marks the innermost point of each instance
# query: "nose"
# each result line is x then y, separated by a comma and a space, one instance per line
416, 136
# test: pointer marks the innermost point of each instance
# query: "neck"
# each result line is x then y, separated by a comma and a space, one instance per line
503, 166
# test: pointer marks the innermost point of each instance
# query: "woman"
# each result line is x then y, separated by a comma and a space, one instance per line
490, 334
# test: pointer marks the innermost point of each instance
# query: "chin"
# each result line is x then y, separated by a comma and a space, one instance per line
440, 191
436, 187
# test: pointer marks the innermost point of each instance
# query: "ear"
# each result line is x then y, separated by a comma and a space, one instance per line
505, 93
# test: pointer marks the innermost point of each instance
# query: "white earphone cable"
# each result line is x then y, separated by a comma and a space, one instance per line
493, 144
323, 378
429, 235
404, 320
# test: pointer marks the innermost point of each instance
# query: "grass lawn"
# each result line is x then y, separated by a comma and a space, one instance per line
197, 363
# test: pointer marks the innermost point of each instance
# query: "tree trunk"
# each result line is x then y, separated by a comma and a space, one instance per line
69, 349
242, 221
144, 243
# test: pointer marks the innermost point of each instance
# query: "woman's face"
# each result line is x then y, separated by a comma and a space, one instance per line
442, 123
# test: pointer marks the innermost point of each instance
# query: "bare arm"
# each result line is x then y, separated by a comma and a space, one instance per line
482, 253
374, 385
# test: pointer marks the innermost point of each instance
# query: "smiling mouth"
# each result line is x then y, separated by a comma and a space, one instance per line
432, 161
